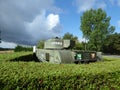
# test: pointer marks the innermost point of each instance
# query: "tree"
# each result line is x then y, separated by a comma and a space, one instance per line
40, 44
70, 36
95, 26
78, 45
112, 44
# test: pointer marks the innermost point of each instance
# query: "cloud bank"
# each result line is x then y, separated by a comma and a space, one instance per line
27, 21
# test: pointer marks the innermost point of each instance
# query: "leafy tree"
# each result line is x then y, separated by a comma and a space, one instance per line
40, 44
95, 26
70, 36
112, 44
78, 45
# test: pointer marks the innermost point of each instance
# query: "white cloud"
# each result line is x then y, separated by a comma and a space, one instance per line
26, 21
4, 44
101, 5
43, 26
52, 21
118, 23
115, 2
119, 2
112, 1
84, 5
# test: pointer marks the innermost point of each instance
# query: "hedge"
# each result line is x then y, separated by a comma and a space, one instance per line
44, 76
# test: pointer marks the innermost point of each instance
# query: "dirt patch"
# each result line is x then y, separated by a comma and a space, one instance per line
6, 51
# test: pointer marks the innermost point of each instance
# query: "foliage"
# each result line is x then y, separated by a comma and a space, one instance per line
70, 36
78, 45
21, 48
112, 44
45, 76
95, 26
40, 44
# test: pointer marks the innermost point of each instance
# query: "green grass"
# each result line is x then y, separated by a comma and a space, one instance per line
10, 56
45, 76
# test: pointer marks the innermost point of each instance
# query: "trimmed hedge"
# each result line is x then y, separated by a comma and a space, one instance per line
44, 76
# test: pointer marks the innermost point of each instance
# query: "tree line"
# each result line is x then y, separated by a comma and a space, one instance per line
110, 45
20, 48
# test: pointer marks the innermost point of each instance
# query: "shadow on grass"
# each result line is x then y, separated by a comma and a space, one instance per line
26, 58
108, 59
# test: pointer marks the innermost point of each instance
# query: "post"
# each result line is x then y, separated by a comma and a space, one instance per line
85, 45
34, 49
99, 56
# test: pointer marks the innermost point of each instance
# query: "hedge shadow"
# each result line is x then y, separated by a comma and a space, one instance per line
26, 58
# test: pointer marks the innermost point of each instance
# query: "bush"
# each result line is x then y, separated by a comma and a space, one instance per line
21, 48
45, 76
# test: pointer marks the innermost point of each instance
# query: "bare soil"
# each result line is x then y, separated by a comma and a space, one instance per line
6, 51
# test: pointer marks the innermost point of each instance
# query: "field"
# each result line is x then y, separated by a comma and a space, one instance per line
19, 71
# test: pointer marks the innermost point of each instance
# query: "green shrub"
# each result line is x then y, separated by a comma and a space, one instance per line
21, 48
44, 76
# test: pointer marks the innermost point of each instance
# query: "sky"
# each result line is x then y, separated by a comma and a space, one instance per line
25, 22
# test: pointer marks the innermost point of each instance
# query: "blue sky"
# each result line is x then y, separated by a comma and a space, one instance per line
70, 18
28, 21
